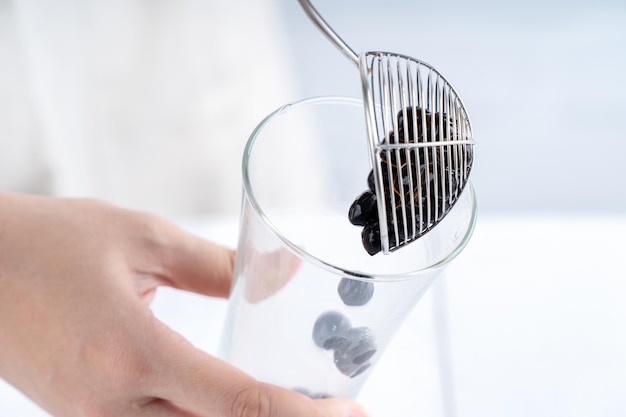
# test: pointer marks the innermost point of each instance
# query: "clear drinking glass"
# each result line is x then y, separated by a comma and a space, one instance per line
310, 309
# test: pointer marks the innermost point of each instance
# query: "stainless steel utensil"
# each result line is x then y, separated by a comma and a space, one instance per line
419, 137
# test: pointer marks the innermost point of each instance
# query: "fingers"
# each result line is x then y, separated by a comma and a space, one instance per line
201, 385
201, 266
185, 261
258, 404
162, 408
264, 400
272, 271
207, 386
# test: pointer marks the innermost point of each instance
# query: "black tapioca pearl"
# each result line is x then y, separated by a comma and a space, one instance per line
414, 177
352, 360
328, 325
364, 209
341, 343
370, 237
371, 181
361, 370
355, 292
344, 363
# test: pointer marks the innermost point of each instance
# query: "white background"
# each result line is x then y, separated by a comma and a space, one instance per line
530, 319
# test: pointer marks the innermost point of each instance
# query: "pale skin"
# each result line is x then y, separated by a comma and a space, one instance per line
77, 335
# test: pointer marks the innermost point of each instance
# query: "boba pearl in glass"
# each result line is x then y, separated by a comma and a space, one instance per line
310, 309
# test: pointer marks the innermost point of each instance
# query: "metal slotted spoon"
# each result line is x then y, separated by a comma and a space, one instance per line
420, 143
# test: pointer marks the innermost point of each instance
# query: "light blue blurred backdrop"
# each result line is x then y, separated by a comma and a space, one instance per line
543, 82
130, 100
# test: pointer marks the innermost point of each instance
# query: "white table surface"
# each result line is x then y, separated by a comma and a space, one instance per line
530, 320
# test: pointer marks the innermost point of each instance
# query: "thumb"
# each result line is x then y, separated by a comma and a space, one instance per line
264, 400
207, 386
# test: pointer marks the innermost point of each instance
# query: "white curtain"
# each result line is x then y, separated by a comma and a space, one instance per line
145, 103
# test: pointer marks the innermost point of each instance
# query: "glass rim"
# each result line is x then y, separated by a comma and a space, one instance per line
308, 257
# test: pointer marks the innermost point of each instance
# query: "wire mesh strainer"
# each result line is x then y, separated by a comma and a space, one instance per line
420, 144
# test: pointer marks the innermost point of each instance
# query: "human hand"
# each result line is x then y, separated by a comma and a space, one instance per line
76, 332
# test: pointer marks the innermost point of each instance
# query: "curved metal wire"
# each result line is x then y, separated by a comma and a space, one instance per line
328, 31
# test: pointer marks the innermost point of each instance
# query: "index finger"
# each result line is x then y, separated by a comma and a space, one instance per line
185, 261
201, 266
